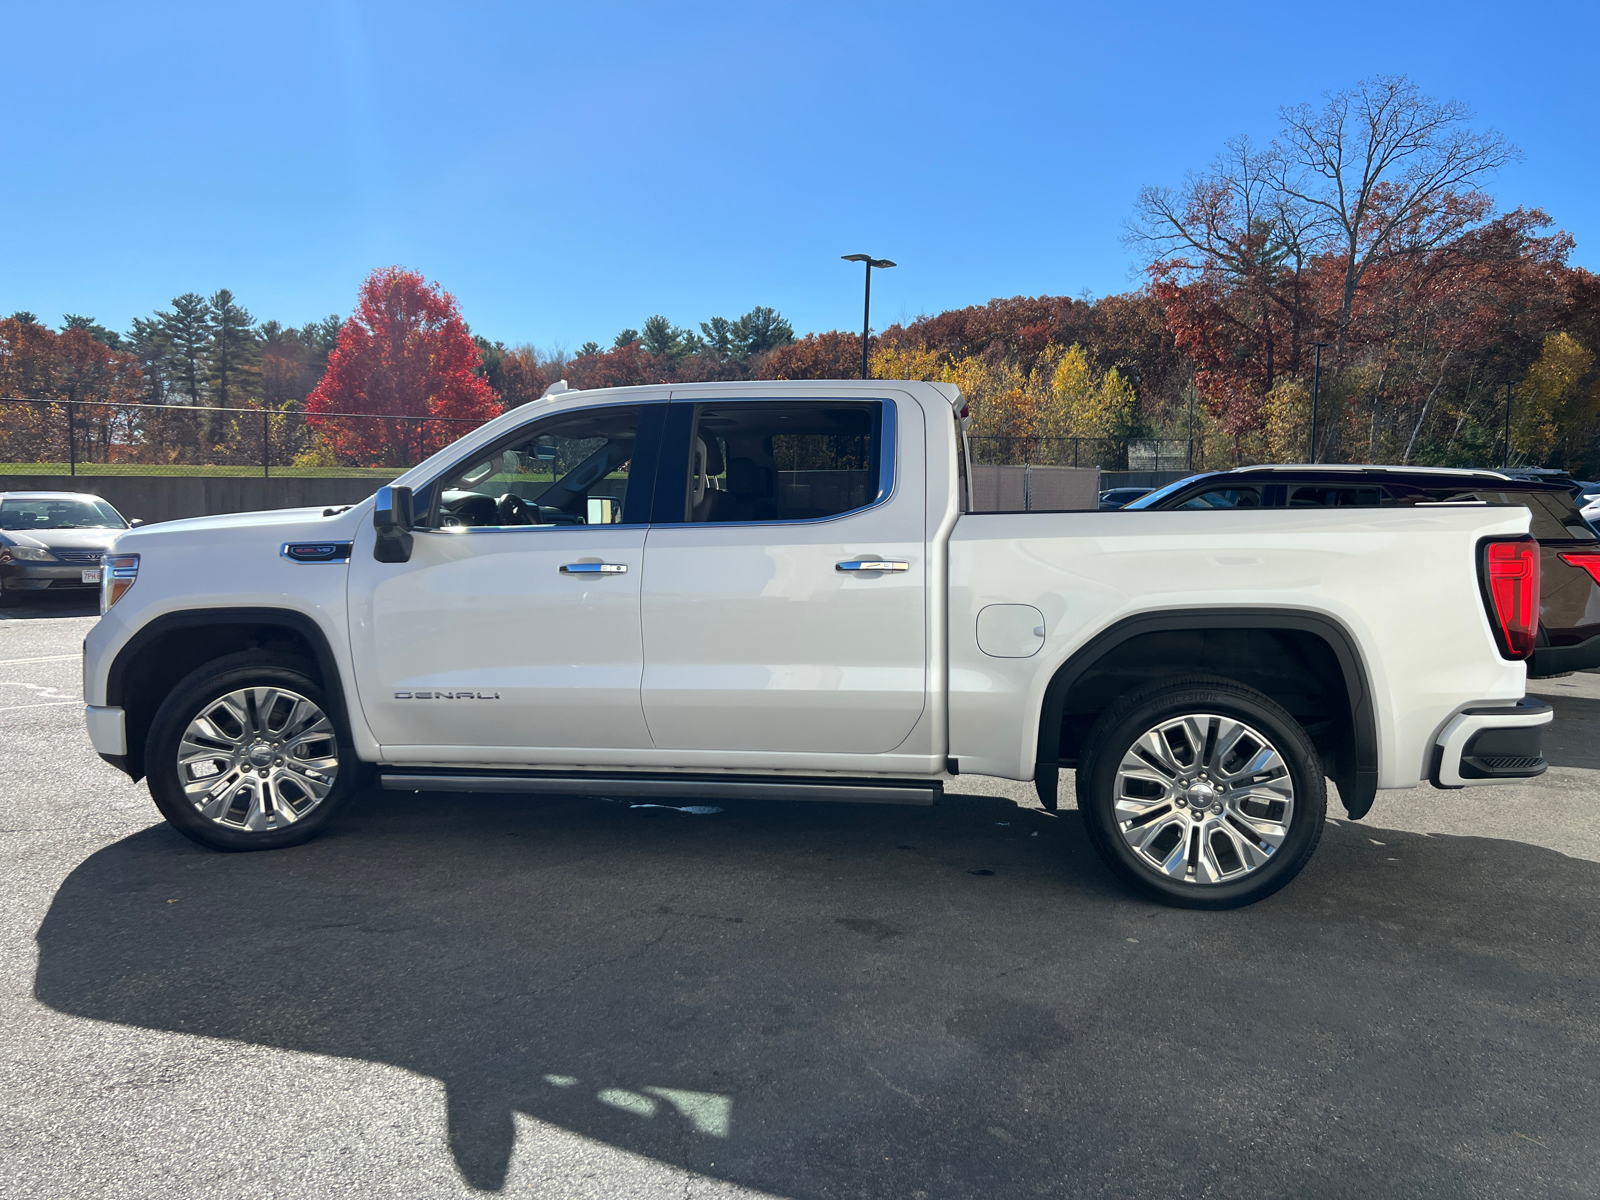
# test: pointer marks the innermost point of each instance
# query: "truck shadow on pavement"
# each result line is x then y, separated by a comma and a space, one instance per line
824, 1000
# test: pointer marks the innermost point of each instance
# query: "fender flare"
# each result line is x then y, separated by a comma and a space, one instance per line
1357, 782
282, 618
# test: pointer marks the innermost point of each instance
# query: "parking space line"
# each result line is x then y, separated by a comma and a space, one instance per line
6, 662
46, 704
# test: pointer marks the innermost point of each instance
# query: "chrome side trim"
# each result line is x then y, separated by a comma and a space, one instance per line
854, 791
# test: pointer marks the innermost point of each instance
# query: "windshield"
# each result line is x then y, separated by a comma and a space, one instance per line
26, 516
1160, 494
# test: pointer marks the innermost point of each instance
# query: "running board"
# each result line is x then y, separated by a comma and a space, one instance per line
665, 786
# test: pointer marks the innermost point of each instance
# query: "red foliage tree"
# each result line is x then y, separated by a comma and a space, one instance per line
406, 352
622, 366
522, 378
831, 355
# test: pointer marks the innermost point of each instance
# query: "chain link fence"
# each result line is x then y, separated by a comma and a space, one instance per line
1108, 454
108, 438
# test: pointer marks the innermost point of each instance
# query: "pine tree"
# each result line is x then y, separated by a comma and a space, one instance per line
148, 342
187, 331
234, 350
719, 336
106, 337
759, 330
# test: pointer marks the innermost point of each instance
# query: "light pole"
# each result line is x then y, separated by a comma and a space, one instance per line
1316, 393
866, 318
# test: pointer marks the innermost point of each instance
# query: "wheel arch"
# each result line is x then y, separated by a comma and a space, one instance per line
1354, 768
170, 646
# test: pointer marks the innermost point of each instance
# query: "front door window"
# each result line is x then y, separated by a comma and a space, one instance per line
567, 470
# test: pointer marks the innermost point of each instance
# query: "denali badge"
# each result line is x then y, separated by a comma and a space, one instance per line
447, 695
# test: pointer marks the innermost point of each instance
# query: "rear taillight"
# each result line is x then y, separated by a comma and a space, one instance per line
118, 573
1589, 560
1510, 573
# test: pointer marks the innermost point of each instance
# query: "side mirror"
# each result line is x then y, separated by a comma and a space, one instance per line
135, 523
392, 519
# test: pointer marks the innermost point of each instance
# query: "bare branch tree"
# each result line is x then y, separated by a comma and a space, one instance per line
1236, 219
1388, 171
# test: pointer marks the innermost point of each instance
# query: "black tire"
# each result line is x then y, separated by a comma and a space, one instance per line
10, 597
1115, 735
199, 691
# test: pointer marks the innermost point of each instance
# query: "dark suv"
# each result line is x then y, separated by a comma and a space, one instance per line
1569, 596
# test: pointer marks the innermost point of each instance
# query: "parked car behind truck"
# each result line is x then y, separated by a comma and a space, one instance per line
776, 590
53, 542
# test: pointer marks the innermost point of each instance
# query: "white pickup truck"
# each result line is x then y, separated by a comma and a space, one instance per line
777, 590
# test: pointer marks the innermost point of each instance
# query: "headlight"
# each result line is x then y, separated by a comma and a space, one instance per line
25, 554
118, 571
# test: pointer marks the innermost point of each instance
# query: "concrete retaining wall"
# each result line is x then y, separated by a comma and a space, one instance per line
170, 497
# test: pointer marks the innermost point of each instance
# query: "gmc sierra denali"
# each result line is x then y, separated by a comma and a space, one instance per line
771, 590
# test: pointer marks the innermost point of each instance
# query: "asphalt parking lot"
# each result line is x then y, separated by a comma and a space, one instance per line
454, 996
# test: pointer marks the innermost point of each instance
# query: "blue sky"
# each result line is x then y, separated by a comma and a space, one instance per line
568, 170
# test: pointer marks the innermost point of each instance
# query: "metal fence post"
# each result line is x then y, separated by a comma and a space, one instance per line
72, 439
266, 446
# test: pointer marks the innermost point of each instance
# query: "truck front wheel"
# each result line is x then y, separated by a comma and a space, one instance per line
1201, 792
247, 754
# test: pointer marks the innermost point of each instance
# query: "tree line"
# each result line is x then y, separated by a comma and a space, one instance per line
1358, 256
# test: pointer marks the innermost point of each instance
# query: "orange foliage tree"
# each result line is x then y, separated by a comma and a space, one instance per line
39, 364
405, 353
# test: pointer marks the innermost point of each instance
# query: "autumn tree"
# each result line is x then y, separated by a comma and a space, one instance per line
1385, 171
405, 351
832, 355
72, 367
522, 377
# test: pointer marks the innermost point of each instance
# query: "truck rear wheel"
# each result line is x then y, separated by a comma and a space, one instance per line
247, 754
1201, 792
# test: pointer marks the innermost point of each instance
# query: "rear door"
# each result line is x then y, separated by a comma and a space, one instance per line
784, 605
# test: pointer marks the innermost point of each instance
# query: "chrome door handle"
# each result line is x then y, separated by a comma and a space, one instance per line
872, 564
595, 569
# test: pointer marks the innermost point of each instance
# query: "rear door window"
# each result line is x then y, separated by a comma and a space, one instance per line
1237, 497
784, 460
1324, 496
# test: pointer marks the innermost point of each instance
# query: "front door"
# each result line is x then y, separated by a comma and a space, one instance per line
512, 634
784, 603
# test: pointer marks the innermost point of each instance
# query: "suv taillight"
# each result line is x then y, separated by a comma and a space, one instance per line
1509, 569
1589, 560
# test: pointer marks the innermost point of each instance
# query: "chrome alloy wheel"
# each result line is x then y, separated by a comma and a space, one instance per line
258, 759
1203, 799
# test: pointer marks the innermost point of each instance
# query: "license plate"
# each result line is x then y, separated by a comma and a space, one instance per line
92, 576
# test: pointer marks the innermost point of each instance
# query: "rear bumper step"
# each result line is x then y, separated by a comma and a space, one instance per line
1492, 745
666, 786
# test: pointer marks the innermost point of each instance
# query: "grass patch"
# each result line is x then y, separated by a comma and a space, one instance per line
85, 469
